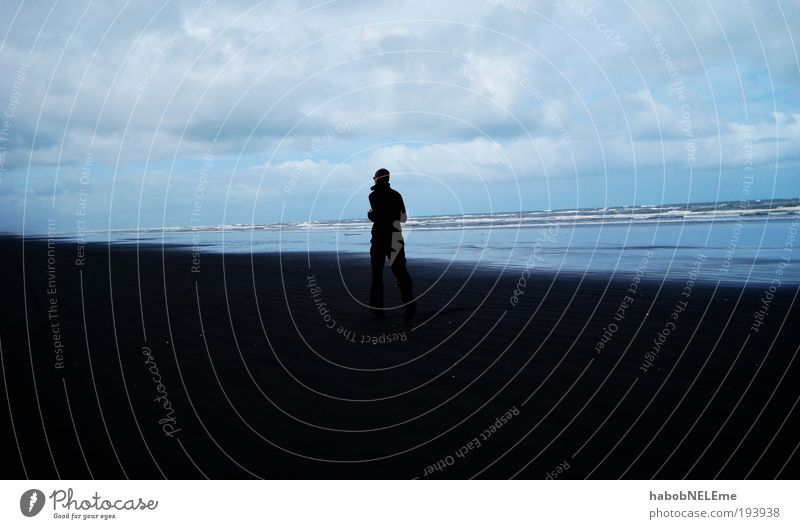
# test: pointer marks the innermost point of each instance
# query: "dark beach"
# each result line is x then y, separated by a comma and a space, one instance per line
153, 363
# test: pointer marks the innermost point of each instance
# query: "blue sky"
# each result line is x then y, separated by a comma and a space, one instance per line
183, 113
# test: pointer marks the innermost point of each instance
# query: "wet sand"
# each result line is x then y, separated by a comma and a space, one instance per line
156, 363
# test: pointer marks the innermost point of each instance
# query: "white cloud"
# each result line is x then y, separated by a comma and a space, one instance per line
471, 92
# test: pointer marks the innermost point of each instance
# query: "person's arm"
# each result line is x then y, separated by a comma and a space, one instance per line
370, 213
403, 215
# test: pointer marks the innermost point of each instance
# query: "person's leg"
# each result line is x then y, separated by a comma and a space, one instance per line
377, 257
400, 271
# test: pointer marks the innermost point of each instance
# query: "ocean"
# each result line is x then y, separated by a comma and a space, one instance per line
756, 244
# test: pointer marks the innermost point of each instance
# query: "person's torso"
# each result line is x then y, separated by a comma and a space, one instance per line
387, 209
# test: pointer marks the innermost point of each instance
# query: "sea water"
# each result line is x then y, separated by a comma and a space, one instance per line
756, 245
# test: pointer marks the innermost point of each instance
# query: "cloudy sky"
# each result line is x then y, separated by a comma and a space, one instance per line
175, 113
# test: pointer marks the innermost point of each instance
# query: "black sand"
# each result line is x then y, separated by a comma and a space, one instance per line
256, 384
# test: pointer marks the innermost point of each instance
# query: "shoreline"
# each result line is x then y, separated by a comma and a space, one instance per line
352, 256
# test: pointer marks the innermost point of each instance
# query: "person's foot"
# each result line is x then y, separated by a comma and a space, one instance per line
411, 311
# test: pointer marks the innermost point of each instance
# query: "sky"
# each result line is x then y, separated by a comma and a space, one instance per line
189, 113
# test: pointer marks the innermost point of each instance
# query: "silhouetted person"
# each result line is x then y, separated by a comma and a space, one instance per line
387, 211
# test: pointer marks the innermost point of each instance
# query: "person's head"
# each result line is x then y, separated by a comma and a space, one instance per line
381, 176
